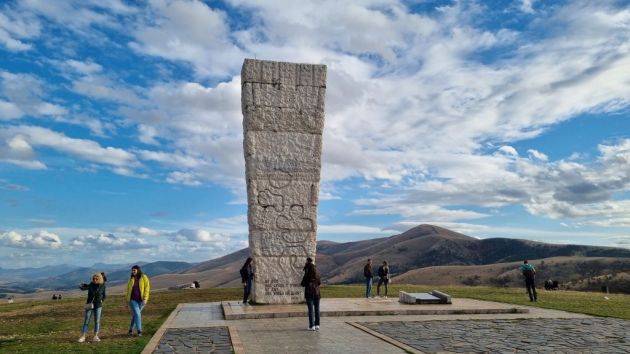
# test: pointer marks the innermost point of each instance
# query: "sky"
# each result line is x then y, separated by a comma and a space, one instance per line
121, 135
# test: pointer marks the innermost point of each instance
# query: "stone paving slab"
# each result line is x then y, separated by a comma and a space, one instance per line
215, 340
234, 310
578, 335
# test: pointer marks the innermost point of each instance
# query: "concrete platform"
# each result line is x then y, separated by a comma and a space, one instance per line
234, 310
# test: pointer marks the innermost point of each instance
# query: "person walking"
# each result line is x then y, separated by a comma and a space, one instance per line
93, 306
383, 278
529, 272
311, 282
367, 273
247, 276
138, 288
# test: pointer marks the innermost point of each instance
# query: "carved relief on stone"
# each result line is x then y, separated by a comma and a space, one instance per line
283, 205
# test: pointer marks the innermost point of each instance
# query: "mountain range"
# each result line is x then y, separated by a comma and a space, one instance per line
425, 254
433, 250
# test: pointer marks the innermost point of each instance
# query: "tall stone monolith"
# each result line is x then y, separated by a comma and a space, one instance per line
283, 120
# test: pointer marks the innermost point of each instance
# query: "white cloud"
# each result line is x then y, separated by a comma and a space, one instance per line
27, 137
145, 231
104, 242
25, 95
199, 235
84, 67
537, 155
40, 240
9, 110
15, 28
187, 178
189, 31
527, 6
6, 185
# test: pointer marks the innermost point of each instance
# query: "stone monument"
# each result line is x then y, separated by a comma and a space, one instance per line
283, 120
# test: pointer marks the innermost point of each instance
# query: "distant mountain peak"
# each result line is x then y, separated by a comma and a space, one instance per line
425, 230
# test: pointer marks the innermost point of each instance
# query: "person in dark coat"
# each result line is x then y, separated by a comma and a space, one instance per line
247, 276
93, 305
529, 272
367, 273
311, 282
383, 278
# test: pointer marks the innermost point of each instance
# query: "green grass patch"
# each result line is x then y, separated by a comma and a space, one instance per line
48, 326
591, 303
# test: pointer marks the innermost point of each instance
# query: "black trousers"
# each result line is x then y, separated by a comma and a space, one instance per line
531, 289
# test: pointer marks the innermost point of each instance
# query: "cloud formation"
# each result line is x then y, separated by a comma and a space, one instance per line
40, 240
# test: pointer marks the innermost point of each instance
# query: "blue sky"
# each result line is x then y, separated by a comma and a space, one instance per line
121, 128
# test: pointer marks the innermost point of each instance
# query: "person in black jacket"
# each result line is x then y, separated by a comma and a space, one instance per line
367, 273
383, 278
311, 282
93, 305
247, 276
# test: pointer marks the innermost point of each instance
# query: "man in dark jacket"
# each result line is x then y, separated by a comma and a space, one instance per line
311, 282
529, 272
367, 273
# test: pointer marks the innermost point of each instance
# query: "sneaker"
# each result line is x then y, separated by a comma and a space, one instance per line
96, 339
386, 296
130, 333
310, 329
81, 339
317, 328
139, 334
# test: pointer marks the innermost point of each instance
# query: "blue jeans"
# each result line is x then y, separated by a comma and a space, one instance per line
136, 317
313, 309
97, 320
368, 287
247, 289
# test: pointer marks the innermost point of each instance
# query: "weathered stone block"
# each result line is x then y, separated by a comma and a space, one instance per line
282, 96
271, 72
288, 152
283, 120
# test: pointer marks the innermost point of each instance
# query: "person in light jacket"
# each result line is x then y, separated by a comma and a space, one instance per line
138, 289
93, 305
311, 282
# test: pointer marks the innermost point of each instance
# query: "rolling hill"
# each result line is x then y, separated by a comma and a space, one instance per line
445, 251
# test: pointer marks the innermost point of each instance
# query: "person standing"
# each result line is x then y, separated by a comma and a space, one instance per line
383, 278
93, 305
311, 282
367, 273
529, 272
247, 276
138, 288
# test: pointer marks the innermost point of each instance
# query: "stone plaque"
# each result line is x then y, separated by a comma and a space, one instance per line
283, 120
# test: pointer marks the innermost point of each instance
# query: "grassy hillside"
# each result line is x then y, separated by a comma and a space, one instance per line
53, 327
569, 271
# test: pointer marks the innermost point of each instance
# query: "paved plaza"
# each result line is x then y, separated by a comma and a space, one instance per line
590, 335
533, 330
